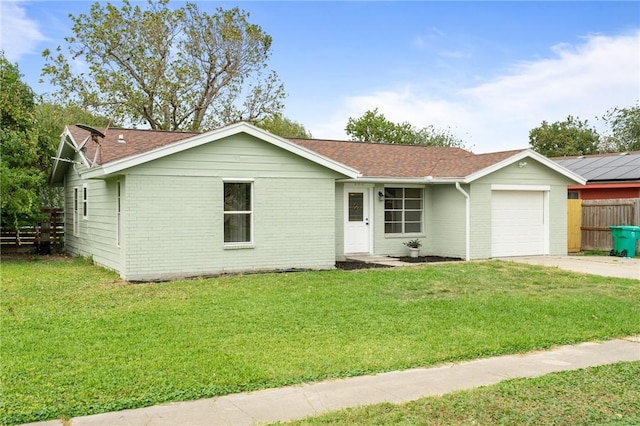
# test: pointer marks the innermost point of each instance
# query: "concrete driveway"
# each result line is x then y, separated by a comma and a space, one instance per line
607, 266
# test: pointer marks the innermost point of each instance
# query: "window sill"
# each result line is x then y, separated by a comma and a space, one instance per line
238, 246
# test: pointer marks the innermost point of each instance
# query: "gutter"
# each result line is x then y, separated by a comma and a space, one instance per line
467, 220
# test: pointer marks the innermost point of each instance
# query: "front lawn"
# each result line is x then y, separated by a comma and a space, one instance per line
74, 340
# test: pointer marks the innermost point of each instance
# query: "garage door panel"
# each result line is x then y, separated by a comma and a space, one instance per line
518, 223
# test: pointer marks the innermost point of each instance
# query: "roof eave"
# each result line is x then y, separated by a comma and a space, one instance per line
66, 148
408, 180
521, 155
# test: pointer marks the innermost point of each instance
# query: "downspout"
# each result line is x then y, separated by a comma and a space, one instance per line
467, 220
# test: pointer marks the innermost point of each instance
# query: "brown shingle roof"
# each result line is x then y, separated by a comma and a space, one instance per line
136, 142
404, 161
371, 159
464, 167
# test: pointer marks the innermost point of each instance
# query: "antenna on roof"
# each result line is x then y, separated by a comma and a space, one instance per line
95, 134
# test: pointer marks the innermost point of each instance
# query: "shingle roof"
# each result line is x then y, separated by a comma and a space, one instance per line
406, 161
374, 160
604, 167
136, 142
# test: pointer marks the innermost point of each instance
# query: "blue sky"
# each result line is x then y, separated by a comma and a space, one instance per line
488, 71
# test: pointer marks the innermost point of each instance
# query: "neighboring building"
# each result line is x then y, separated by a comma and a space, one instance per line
161, 205
609, 176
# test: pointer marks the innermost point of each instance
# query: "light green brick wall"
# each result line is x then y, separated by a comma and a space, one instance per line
182, 230
175, 212
448, 224
172, 213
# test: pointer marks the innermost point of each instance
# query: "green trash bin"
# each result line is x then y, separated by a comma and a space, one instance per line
625, 239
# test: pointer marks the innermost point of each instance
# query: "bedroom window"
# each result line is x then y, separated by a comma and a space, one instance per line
238, 212
403, 210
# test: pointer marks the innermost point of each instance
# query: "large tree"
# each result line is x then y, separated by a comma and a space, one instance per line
565, 138
171, 69
283, 126
624, 124
373, 126
21, 178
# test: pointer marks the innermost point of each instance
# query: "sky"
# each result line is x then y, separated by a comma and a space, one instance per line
488, 72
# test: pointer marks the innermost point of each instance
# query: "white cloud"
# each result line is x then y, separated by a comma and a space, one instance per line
583, 80
18, 34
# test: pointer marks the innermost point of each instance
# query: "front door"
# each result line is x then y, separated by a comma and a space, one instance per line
357, 227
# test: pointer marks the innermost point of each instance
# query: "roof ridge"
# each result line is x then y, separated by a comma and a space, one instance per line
143, 130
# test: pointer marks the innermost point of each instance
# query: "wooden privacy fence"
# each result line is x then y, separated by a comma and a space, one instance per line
574, 222
595, 218
39, 238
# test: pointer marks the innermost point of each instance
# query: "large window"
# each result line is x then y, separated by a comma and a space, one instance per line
238, 212
403, 210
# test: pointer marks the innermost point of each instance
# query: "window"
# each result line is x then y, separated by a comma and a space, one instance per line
356, 206
118, 210
573, 195
238, 212
403, 210
85, 203
76, 197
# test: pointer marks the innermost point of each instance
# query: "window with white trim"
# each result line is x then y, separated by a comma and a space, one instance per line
403, 210
238, 212
118, 213
76, 213
85, 202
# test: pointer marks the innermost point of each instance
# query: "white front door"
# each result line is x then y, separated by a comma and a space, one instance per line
358, 223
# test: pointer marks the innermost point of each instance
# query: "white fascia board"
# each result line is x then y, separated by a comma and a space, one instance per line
66, 148
214, 135
397, 180
520, 156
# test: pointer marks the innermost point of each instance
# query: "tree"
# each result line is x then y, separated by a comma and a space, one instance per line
625, 129
180, 69
373, 126
564, 138
282, 126
21, 180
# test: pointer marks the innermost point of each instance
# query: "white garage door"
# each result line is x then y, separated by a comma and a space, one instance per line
518, 225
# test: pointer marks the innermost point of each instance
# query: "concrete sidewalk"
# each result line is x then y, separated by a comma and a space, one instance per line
296, 402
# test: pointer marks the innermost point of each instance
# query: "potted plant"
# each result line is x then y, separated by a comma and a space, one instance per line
414, 247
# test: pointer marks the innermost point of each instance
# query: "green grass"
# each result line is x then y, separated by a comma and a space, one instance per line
608, 395
74, 340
